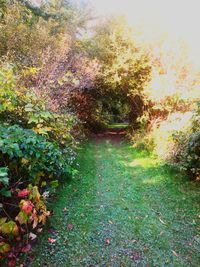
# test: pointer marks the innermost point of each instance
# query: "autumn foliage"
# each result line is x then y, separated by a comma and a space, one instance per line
58, 84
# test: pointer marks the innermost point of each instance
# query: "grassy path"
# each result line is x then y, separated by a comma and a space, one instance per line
124, 209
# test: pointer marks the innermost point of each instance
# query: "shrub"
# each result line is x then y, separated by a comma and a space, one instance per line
29, 165
31, 156
21, 212
19, 105
187, 144
175, 140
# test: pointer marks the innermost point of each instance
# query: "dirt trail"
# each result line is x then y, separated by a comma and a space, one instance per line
114, 136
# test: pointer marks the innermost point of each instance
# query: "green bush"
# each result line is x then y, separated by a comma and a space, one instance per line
187, 154
19, 105
31, 157
175, 140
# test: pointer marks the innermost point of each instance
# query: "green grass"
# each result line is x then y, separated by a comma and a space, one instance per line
148, 212
117, 126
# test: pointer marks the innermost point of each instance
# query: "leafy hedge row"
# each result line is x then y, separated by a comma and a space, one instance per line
176, 140
187, 144
30, 165
27, 154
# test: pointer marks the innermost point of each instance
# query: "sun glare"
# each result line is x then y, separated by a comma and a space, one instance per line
177, 20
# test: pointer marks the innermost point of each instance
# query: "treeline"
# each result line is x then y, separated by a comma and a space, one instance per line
61, 78
43, 66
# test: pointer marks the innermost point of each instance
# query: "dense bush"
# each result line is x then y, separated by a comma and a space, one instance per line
32, 156
21, 211
38, 132
19, 105
187, 147
29, 166
175, 140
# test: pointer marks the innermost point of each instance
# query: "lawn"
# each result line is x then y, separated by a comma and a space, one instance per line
125, 208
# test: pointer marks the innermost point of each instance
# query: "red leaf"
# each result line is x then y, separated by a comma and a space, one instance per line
51, 240
52, 231
12, 263
107, 241
23, 193
26, 248
27, 206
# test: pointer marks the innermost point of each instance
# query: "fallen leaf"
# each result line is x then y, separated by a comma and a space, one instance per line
161, 221
70, 227
52, 230
107, 241
51, 240
135, 255
32, 236
174, 253
65, 210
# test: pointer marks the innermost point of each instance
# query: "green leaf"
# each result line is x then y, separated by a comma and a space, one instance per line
2, 220
22, 217
54, 184
29, 107
4, 192
4, 176
4, 247
9, 228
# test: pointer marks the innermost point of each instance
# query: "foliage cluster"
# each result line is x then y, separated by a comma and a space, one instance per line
166, 125
42, 63
187, 147
124, 71
56, 81
174, 140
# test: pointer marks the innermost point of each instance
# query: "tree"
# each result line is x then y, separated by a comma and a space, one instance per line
125, 67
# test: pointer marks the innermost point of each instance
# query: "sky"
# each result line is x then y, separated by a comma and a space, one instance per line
178, 19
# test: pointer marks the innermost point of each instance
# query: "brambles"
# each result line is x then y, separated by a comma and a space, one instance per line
31, 212
32, 165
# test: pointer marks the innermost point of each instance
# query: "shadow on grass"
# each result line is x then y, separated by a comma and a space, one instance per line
147, 211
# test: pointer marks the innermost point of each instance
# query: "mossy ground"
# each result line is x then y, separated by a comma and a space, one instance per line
124, 209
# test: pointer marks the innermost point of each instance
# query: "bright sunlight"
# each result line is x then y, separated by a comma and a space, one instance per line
99, 133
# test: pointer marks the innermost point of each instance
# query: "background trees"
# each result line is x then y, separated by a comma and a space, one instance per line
124, 70
60, 78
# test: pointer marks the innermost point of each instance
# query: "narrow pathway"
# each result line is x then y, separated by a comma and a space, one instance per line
124, 209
